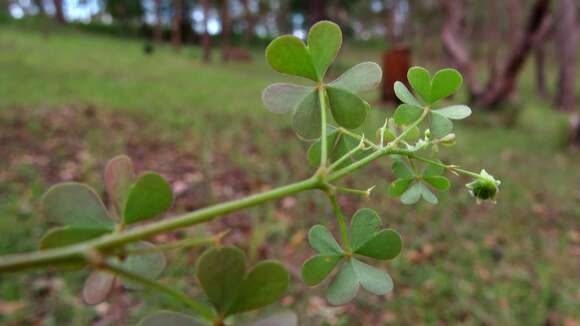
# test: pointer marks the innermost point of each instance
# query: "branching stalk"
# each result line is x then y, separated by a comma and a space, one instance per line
341, 220
192, 304
323, 131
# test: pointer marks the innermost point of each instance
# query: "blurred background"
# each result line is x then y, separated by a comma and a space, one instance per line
176, 84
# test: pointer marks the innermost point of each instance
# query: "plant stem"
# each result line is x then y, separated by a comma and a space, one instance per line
359, 137
323, 140
77, 253
364, 193
192, 304
341, 221
345, 157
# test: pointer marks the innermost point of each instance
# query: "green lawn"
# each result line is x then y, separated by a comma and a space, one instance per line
70, 101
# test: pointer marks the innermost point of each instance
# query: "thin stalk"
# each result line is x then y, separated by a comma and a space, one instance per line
341, 221
323, 140
192, 304
177, 245
77, 253
364, 193
345, 157
359, 137
396, 141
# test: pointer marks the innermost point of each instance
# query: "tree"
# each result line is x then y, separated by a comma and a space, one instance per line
566, 44
205, 41
59, 12
226, 28
250, 18
499, 89
158, 29
316, 11
125, 11
176, 24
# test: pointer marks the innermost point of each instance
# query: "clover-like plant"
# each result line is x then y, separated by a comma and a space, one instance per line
231, 290
367, 240
327, 114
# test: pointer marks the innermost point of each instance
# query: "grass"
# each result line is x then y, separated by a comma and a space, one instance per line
70, 101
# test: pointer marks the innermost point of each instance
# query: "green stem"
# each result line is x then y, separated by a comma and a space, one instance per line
323, 140
345, 157
359, 192
77, 253
341, 221
192, 304
359, 137
176, 245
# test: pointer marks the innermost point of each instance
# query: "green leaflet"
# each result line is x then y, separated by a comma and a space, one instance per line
148, 197
221, 273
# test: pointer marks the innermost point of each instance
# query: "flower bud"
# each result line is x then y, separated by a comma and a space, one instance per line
448, 140
485, 187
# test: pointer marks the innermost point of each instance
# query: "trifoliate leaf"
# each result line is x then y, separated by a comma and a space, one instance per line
427, 194
364, 224
363, 77
344, 286
149, 196
455, 112
322, 241
407, 114
317, 268
324, 41
265, 284
433, 170
220, 272
399, 186
420, 80
413, 194
438, 182
405, 95
288, 55
149, 265
372, 279
440, 125
76, 205
386, 244
444, 83
284, 97
119, 176
401, 170
348, 110
306, 120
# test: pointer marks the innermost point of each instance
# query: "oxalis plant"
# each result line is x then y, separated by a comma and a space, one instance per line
112, 241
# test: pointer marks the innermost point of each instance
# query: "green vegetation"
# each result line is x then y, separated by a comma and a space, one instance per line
461, 262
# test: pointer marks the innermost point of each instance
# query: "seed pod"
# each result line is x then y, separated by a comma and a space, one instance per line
485, 187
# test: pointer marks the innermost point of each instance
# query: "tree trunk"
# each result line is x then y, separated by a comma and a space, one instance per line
205, 40
176, 24
250, 22
566, 42
59, 13
40, 6
226, 29
317, 11
282, 20
4, 8
536, 28
158, 29
498, 91
454, 46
